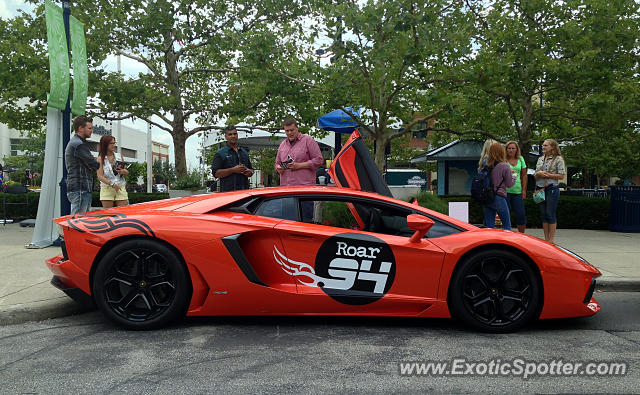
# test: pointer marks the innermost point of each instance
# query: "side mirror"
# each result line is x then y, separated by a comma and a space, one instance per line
420, 224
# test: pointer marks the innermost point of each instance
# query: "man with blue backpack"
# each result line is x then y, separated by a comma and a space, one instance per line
495, 171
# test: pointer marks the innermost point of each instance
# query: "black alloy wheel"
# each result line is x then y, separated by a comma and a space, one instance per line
141, 284
495, 291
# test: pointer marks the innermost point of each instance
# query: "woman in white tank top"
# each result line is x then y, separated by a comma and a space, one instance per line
111, 175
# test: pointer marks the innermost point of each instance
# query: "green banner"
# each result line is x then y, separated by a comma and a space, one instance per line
80, 70
58, 57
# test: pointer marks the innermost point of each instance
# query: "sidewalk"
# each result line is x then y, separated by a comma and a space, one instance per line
27, 295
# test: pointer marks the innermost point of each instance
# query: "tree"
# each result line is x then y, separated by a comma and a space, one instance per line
575, 58
137, 170
387, 56
188, 49
24, 64
615, 155
163, 172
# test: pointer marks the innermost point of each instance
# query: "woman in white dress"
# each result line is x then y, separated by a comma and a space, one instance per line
111, 174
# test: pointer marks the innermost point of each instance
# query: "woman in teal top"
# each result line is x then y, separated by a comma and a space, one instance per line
518, 192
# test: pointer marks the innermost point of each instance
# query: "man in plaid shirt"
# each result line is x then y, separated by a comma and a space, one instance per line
80, 166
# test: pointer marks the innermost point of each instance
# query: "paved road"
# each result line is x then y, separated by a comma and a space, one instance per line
84, 354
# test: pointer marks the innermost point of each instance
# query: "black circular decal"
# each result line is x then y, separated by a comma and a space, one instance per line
356, 269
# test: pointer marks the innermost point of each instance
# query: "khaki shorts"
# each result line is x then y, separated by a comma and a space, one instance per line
107, 192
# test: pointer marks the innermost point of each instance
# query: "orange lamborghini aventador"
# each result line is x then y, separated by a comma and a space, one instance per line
314, 250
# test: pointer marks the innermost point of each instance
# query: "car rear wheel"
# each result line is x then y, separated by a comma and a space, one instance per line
494, 291
141, 284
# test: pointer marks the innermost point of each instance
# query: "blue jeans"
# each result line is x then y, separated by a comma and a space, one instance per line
80, 201
501, 207
549, 205
516, 204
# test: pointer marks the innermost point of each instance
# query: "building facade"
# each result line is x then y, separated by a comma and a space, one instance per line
133, 144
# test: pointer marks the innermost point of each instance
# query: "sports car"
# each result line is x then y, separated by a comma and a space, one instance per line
313, 250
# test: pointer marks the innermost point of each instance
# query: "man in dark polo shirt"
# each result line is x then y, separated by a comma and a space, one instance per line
231, 165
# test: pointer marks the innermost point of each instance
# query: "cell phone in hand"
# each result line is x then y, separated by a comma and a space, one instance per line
284, 164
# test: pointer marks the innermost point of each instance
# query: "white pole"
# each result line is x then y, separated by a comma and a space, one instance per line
202, 165
149, 158
118, 125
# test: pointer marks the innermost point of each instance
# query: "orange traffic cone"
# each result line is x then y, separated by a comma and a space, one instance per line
498, 221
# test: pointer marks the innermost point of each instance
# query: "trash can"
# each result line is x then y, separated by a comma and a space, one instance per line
625, 209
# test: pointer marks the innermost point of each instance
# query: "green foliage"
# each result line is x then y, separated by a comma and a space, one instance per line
549, 69
192, 180
264, 160
402, 152
616, 154
431, 201
163, 172
17, 205
386, 56
503, 68
137, 170
187, 52
574, 212
337, 214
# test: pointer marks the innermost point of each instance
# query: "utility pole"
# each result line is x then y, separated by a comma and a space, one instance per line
149, 159
118, 125
65, 205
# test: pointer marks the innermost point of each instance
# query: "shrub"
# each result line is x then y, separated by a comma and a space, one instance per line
192, 181
574, 212
337, 214
18, 212
431, 201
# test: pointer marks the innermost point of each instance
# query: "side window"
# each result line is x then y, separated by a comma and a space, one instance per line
393, 221
283, 208
385, 219
327, 212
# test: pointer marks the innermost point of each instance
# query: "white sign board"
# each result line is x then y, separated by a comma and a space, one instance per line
459, 210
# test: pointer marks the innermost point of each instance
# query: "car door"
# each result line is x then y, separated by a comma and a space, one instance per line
339, 267
249, 239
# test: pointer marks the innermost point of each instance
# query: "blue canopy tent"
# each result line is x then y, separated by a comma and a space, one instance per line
339, 122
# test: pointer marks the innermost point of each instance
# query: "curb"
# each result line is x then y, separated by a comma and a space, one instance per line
39, 311
615, 285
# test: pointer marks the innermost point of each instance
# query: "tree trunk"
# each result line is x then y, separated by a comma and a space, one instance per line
179, 141
524, 135
380, 144
173, 82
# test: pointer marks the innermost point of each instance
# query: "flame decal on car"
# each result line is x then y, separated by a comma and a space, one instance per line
104, 223
296, 269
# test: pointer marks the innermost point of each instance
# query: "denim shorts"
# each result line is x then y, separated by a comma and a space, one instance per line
549, 205
516, 205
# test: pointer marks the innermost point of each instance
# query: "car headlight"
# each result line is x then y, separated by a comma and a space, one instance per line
573, 254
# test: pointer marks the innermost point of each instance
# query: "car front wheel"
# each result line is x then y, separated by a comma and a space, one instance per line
495, 291
141, 284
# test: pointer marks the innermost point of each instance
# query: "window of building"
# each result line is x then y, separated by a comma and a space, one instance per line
129, 153
15, 146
